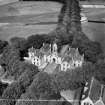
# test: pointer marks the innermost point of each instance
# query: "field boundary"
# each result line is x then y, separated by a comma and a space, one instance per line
4, 2
93, 6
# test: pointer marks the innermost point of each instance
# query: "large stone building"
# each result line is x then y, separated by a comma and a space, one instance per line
70, 59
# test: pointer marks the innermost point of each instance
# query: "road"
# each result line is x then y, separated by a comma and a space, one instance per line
20, 19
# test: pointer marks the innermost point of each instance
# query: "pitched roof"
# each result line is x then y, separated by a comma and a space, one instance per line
87, 100
38, 53
95, 90
57, 69
45, 48
103, 95
31, 49
79, 58
78, 93
71, 52
100, 102
72, 96
50, 68
64, 49
67, 58
68, 95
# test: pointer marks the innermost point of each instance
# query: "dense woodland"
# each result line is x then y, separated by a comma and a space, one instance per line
30, 83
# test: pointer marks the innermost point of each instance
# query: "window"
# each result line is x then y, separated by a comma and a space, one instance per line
37, 63
34, 63
64, 67
68, 65
87, 103
54, 59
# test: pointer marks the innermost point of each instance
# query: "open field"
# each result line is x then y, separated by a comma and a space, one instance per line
20, 14
20, 19
3, 2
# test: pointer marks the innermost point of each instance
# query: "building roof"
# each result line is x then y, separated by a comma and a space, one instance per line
50, 68
95, 92
100, 102
88, 101
72, 96
64, 49
71, 51
57, 69
1, 71
103, 95
31, 49
67, 58
37, 52
68, 95
46, 47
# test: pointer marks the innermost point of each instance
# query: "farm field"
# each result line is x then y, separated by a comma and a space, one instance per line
21, 18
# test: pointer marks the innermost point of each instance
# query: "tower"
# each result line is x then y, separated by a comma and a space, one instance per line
54, 48
31, 52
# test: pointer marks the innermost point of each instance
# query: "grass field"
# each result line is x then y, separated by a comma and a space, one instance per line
20, 19
19, 14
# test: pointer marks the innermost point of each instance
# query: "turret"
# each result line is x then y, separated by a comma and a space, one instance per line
31, 52
54, 49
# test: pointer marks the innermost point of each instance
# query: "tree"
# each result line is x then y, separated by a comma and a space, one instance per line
27, 99
26, 77
64, 18
9, 56
47, 38
18, 68
61, 34
60, 1
55, 102
75, 16
74, 79
2, 88
3, 44
100, 71
11, 94
90, 49
42, 86
40, 91
8, 53
65, 81
14, 91
10, 60
30, 99
18, 42
35, 40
